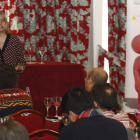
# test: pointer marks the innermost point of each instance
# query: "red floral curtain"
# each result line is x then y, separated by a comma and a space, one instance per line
116, 53
61, 26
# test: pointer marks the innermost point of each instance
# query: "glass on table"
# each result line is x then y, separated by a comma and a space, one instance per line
65, 119
31, 51
137, 115
48, 103
41, 51
136, 133
56, 103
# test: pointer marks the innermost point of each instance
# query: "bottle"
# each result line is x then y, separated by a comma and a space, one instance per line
27, 90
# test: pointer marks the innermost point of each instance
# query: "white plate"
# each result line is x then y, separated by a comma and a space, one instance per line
52, 120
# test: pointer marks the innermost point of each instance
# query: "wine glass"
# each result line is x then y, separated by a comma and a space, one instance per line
30, 51
136, 133
41, 51
65, 119
48, 103
56, 103
137, 115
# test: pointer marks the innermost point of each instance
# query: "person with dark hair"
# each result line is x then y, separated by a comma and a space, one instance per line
11, 50
75, 101
95, 76
85, 121
104, 97
12, 130
98, 76
12, 99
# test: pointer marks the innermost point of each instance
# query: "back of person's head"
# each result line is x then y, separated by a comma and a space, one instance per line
95, 76
5, 20
77, 99
104, 96
98, 76
8, 76
12, 130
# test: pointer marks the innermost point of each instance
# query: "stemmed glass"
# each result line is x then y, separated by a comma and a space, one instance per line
41, 51
65, 119
48, 103
56, 103
137, 115
136, 133
30, 51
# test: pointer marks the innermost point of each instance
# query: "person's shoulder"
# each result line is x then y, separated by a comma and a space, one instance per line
11, 90
114, 124
68, 132
100, 120
108, 124
110, 120
5, 90
14, 37
71, 128
109, 128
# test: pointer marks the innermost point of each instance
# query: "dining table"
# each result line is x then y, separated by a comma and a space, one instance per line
50, 79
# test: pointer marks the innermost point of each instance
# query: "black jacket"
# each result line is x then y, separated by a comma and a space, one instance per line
94, 128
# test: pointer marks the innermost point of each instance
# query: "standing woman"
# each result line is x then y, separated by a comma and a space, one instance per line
11, 51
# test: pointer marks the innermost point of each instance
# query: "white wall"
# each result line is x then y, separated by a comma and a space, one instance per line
98, 31
133, 29
95, 37
97, 27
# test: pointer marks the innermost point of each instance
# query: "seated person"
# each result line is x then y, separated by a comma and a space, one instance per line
12, 99
95, 127
99, 76
95, 76
12, 130
105, 99
75, 101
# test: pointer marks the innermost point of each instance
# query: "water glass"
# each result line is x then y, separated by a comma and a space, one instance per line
48, 103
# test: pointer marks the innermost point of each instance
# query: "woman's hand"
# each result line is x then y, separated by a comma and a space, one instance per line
19, 67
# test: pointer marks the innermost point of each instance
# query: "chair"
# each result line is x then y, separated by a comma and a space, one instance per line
44, 134
34, 120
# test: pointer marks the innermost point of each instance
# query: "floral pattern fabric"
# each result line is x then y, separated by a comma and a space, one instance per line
116, 53
61, 26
